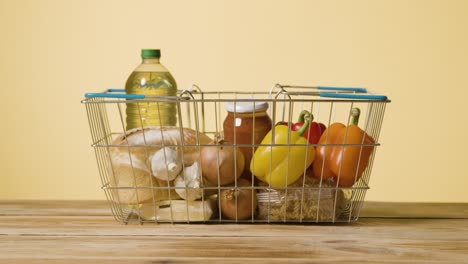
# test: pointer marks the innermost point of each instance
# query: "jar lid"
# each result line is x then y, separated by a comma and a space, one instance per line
150, 53
246, 107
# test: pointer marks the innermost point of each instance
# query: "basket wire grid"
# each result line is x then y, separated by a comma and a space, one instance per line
203, 112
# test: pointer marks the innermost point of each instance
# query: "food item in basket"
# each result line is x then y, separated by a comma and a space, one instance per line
166, 163
247, 122
345, 164
282, 164
313, 130
239, 203
221, 163
177, 210
303, 200
188, 183
131, 180
135, 148
151, 78
144, 142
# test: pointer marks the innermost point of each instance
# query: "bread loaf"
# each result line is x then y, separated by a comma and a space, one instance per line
145, 142
131, 158
128, 172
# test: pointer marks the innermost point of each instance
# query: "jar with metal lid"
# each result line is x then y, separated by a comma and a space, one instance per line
246, 123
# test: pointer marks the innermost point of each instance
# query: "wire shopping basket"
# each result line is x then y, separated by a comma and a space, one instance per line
238, 157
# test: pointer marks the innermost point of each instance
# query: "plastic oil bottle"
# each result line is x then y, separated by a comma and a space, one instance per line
152, 79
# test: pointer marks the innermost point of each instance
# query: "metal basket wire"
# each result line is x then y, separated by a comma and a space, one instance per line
308, 200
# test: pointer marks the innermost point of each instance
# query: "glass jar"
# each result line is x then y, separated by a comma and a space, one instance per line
246, 123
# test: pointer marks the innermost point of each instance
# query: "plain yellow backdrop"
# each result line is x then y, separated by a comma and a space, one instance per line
414, 51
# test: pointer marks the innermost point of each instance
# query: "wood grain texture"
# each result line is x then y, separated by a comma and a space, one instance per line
84, 232
415, 210
100, 207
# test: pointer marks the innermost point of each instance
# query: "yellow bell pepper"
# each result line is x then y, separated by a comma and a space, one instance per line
282, 165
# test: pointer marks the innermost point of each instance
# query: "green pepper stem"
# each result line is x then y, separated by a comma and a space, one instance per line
305, 117
355, 112
305, 114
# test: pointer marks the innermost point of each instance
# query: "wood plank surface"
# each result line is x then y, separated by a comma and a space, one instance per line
84, 231
370, 209
415, 210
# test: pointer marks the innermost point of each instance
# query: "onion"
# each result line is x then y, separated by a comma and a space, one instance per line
242, 201
227, 160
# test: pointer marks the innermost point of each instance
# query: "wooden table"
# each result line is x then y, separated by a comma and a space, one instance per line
84, 231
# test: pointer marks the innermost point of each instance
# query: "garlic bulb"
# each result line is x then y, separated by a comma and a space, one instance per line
188, 183
165, 164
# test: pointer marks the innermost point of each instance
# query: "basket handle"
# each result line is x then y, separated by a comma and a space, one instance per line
115, 93
344, 89
339, 92
349, 95
355, 96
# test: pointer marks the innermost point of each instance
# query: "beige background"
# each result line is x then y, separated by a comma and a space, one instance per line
416, 52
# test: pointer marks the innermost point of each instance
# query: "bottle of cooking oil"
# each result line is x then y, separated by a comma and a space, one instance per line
151, 78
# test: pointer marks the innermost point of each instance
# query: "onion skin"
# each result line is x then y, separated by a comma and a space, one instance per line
216, 155
246, 202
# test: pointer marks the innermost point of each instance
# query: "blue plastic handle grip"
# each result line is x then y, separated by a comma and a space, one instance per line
115, 93
115, 90
355, 96
350, 89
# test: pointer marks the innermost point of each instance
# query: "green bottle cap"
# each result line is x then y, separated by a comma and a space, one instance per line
150, 53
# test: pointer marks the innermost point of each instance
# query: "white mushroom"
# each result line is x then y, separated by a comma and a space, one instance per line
165, 164
188, 183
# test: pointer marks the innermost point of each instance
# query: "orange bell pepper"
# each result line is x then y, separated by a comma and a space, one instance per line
342, 155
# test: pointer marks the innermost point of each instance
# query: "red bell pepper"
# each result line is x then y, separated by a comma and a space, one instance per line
311, 130
314, 130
